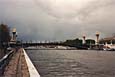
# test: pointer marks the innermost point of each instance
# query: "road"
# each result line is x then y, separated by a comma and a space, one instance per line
73, 63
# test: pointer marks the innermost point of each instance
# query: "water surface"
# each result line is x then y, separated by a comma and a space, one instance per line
73, 63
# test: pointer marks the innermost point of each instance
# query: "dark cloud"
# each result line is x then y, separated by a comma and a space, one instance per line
58, 19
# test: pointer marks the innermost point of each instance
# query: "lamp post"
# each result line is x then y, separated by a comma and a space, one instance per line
97, 37
84, 37
14, 34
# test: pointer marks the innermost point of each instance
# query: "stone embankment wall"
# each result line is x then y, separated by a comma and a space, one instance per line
1, 52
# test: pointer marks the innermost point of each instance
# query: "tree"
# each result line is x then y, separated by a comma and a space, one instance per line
74, 42
4, 34
90, 41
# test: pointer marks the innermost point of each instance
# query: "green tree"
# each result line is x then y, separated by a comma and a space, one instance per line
74, 42
90, 41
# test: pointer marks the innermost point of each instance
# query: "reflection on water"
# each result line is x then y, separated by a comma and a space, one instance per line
73, 63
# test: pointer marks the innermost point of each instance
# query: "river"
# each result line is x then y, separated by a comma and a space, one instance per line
73, 63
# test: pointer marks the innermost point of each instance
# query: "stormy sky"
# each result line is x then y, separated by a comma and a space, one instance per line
58, 19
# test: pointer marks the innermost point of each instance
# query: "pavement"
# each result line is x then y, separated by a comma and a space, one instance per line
17, 67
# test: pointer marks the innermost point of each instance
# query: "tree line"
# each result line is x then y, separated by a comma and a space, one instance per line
79, 43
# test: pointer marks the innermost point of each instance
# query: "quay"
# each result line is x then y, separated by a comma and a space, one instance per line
20, 65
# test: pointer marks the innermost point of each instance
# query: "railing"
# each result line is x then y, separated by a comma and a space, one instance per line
4, 61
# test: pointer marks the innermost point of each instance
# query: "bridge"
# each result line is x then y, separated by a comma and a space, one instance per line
36, 44
51, 44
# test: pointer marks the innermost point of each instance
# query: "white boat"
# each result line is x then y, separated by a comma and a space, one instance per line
61, 47
109, 47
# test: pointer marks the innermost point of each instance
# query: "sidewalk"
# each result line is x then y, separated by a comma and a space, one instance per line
17, 67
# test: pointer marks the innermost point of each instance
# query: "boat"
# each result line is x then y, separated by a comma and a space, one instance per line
109, 47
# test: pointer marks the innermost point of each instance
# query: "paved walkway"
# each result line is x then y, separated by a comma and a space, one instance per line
17, 67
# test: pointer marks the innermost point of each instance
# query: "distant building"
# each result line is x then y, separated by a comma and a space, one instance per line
109, 40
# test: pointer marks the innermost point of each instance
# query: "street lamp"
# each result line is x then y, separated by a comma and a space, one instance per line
97, 36
84, 37
14, 34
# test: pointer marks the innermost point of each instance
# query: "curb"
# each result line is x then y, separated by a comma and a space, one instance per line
32, 70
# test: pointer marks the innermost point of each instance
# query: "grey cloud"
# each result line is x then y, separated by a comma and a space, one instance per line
93, 6
83, 12
43, 20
